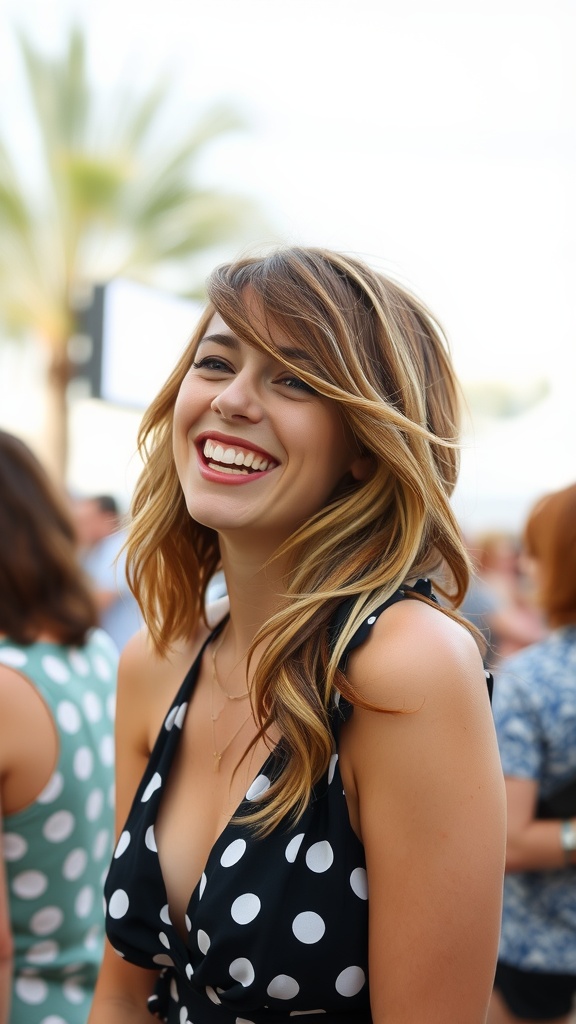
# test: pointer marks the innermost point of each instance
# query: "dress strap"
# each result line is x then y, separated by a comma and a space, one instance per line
422, 586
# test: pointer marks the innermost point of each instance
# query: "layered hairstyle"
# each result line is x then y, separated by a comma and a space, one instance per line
550, 539
42, 586
377, 351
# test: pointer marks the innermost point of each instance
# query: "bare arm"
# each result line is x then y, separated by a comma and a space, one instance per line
532, 845
122, 989
431, 805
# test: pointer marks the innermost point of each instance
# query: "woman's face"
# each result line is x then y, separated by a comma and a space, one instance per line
256, 449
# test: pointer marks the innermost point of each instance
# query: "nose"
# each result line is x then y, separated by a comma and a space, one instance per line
239, 399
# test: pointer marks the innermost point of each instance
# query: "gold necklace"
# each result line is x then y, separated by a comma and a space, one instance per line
219, 754
215, 679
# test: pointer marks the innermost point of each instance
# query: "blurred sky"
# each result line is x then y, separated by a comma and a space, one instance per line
436, 138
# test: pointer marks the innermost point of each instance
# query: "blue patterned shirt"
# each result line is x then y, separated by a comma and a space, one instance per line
535, 714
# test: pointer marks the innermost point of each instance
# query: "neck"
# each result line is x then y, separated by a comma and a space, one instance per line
256, 588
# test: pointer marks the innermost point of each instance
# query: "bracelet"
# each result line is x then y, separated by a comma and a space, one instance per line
568, 840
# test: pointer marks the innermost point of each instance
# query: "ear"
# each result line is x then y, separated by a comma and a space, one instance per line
362, 467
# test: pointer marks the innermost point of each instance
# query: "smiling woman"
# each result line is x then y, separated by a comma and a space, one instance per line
324, 734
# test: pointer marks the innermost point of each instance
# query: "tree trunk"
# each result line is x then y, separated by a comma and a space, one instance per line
58, 376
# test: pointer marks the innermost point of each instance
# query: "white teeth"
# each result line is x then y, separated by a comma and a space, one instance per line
228, 469
229, 457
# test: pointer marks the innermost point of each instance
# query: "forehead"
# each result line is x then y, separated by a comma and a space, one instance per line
262, 335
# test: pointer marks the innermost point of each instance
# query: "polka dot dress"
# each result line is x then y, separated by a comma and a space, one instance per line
277, 928
56, 851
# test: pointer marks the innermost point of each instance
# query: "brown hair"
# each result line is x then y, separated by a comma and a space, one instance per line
42, 587
378, 352
550, 538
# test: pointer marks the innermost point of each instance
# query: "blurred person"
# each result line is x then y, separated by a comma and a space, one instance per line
496, 600
57, 689
102, 536
535, 713
318, 829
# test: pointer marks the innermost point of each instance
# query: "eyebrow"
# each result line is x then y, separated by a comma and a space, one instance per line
231, 341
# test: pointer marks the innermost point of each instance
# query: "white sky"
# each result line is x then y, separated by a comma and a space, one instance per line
437, 138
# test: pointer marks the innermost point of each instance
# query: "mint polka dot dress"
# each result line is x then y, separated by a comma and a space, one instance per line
56, 851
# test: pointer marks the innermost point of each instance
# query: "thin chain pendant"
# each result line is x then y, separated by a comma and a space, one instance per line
217, 759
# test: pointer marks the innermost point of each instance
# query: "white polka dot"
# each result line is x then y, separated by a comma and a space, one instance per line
94, 804
74, 865
233, 853
174, 989
79, 663
92, 706
202, 886
93, 936
243, 1020
150, 839
59, 826
163, 960
29, 885
203, 941
107, 750
371, 620
165, 914
122, 844
46, 921
259, 786
337, 698
164, 940
111, 706
332, 767
42, 952
12, 657
283, 987
183, 1016
14, 846
52, 789
181, 715
293, 847
84, 901
118, 904
320, 856
68, 716
242, 971
153, 785
32, 991
350, 981
55, 669
308, 927
359, 883
102, 668
73, 991
245, 908
53, 1018
169, 722
213, 995
83, 763
188, 923
112, 796
189, 971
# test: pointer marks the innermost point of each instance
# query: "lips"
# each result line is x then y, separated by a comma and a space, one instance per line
234, 459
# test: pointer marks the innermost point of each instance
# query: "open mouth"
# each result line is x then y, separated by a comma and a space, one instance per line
234, 459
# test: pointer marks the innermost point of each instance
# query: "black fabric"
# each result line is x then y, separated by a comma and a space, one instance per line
535, 995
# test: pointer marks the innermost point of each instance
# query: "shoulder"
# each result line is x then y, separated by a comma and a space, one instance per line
416, 654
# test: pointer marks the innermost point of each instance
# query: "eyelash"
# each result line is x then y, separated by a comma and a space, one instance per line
214, 363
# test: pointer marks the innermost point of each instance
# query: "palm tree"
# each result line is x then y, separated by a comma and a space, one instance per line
108, 197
